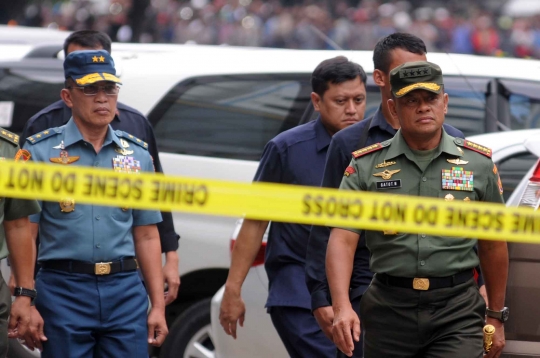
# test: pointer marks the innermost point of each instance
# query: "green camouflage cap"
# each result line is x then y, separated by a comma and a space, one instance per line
416, 75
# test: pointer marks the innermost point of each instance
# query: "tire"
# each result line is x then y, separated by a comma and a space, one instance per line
190, 335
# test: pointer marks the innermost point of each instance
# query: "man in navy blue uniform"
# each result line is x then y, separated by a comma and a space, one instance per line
389, 52
296, 156
127, 119
91, 298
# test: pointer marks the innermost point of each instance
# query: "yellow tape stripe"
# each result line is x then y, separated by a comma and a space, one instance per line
276, 202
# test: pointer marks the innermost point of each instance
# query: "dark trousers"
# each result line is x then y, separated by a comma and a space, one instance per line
300, 333
5, 306
358, 351
90, 316
441, 323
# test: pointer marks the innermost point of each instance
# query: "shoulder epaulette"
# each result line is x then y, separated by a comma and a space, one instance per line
10, 137
132, 138
369, 149
33, 139
474, 147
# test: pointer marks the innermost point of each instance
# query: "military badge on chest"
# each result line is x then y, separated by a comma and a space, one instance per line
125, 164
64, 157
457, 179
388, 182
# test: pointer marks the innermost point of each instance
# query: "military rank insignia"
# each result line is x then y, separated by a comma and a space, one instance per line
457, 179
350, 170
125, 164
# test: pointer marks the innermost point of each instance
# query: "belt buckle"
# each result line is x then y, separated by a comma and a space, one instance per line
102, 268
421, 284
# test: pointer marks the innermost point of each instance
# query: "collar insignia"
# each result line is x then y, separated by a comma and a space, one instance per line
387, 174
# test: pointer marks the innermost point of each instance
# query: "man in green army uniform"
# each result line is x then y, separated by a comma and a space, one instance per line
15, 232
423, 300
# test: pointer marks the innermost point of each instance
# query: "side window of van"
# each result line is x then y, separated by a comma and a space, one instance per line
524, 103
229, 116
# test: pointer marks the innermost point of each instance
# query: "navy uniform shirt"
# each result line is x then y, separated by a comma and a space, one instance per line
89, 233
297, 157
338, 158
127, 119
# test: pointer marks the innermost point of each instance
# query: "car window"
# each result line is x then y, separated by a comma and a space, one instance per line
229, 116
524, 102
513, 169
27, 93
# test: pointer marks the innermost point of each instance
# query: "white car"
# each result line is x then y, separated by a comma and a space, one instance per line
214, 108
516, 154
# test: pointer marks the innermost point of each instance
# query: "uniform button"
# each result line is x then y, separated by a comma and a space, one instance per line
424, 179
98, 246
423, 236
98, 217
422, 263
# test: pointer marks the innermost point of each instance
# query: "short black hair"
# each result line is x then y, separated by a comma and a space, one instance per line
88, 38
335, 70
382, 56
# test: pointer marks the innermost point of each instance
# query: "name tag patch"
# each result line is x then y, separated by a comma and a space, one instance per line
389, 184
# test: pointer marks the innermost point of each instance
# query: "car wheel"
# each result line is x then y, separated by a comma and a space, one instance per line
191, 334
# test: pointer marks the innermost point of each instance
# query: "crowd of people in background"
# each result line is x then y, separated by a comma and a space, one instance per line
468, 27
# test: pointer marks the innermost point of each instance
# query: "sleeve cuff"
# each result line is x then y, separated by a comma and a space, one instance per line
319, 299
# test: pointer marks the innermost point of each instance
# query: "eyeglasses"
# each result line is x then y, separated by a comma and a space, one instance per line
92, 90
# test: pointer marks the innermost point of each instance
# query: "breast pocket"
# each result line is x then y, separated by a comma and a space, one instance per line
65, 209
121, 214
458, 195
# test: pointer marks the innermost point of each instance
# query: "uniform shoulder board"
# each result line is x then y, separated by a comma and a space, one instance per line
370, 149
132, 138
10, 137
474, 147
44, 134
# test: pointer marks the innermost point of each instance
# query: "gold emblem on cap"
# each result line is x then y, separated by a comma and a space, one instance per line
457, 161
449, 197
422, 85
67, 205
384, 164
387, 174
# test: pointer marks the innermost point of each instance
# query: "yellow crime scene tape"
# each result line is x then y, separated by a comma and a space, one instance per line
273, 202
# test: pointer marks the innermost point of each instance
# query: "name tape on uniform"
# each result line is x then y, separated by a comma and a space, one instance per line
274, 202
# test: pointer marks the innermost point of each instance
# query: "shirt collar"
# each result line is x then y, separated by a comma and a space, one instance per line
378, 120
322, 136
72, 135
399, 146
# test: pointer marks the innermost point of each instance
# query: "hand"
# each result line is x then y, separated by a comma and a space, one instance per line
157, 327
19, 317
498, 338
232, 310
171, 276
34, 335
12, 284
345, 322
483, 293
325, 317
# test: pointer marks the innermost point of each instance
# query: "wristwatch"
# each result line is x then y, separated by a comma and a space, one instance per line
28, 292
501, 315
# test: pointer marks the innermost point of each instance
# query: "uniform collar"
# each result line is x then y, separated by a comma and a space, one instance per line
72, 135
399, 146
378, 120
322, 136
